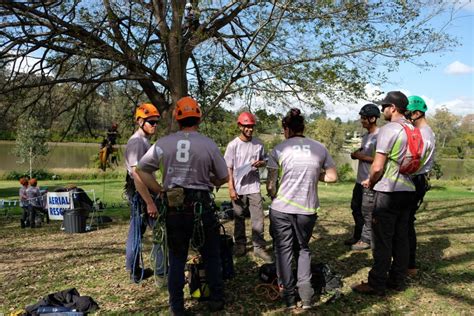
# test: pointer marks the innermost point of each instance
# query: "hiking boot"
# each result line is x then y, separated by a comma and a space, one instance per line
240, 250
365, 288
262, 254
350, 241
307, 305
215, 306
290, 302
411, 273
136, 276
360, 245
184, 312
396, 286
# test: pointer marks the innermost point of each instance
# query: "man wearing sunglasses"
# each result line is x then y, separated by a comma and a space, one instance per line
146, 117
394, 196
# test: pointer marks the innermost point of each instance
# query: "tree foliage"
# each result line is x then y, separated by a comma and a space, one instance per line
328, 132
281, 51
31, 141
444, 125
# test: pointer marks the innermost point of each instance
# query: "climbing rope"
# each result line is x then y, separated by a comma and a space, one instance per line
197, 239
160, 240
137, 237
269, 290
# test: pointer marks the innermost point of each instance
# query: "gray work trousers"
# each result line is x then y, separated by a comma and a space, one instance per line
252, 202
367, 207
291, 235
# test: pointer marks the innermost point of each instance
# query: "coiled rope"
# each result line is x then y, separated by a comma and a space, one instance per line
137, 237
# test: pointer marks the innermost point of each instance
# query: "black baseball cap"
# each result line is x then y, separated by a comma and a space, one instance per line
395, 97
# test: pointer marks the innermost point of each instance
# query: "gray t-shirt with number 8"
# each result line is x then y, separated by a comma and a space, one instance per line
187, 159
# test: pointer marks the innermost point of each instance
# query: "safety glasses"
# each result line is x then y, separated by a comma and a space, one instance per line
384, 106
152, 122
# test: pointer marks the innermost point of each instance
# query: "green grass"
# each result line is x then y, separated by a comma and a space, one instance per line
37, 262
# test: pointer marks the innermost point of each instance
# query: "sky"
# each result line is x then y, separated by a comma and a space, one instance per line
449, 83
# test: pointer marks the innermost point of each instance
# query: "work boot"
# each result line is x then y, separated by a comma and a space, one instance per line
240, 250
396, 286
365, 288
136, 276
411, 273
350, 241
290, 302
262, 254
360, 245
306, 293
215, 306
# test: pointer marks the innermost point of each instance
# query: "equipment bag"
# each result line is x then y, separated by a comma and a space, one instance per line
196, 273
267, 273
323, 279
226, 252
411, 162
196, 279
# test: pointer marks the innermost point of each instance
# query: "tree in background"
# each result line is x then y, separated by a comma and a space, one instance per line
444, 125
31, 141
328, 132
286, 51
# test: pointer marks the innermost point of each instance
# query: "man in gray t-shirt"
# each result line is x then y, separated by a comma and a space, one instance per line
361, 237
294, 168
417, 108
191, 165
146, 117
243, 156
394, 195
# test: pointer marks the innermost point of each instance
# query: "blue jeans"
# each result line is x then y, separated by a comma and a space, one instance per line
179, 226
139, 220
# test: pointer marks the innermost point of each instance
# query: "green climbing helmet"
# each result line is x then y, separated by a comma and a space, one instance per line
416, 103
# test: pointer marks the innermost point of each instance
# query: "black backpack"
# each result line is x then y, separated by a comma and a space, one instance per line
323, 279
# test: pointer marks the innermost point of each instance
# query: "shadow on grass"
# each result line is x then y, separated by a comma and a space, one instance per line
432, 264
447, 211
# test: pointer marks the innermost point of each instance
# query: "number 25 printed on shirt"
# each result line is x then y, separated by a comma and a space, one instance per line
303, 149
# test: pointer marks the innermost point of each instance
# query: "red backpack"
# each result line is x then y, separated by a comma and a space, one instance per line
411, 162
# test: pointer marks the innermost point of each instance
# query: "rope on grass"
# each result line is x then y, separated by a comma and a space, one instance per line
270, 291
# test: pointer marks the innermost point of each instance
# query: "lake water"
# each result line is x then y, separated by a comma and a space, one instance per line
67, 155
74, 155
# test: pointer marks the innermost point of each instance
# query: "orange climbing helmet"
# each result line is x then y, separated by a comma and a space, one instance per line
187, 107
246, 118
146, 110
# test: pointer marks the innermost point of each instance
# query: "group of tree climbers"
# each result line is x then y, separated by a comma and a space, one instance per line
394, 161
